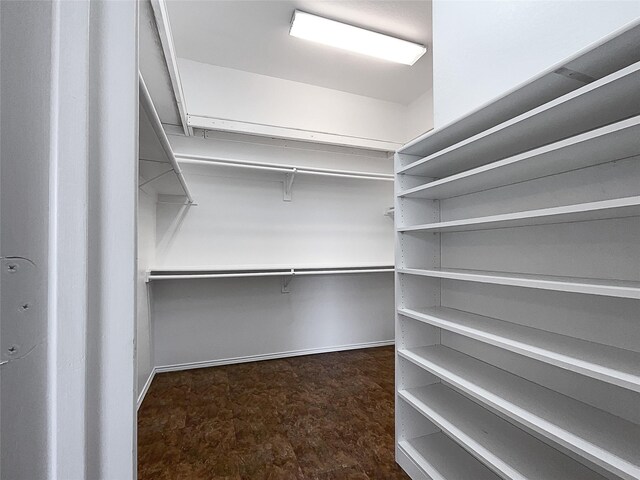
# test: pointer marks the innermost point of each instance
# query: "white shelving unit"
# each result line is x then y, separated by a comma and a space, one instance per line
589, 286
609, 364
511, 362
502, 447
442, 458
617, 208
617, 141
553, 121
607, 440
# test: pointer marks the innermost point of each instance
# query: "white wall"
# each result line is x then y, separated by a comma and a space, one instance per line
419, 115
241, 220
219, 320
248, 97
146, 259
483, 48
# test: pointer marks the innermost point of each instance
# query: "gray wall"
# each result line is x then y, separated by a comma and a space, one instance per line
25, 66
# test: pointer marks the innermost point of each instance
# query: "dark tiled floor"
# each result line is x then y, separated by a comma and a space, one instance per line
318, 417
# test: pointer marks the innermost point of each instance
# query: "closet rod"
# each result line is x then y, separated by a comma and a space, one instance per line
204, 160
147, 104
268, 273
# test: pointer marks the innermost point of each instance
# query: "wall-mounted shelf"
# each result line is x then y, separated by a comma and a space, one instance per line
582, 212
590, 286
504, 448
560, 118
612, 142
613, 52
442, 459
607, 440
158, 64
274, 131
186, 274
157, 161
609, 364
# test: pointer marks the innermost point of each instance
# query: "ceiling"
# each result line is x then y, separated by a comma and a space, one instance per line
253, 36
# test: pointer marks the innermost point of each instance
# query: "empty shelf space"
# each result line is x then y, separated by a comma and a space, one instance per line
506, 449
590, 286
442, 459
613, 53
612, 142
582, 212
609, 98
608, 364
607, 440
178, 273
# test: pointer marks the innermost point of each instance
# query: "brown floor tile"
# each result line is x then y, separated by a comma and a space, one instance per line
321, 417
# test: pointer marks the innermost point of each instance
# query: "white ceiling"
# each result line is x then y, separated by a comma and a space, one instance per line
254, 36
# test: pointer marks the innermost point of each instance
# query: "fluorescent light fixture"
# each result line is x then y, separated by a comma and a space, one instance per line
355, 39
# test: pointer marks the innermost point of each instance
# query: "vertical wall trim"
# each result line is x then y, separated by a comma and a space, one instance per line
92, 240
68, 248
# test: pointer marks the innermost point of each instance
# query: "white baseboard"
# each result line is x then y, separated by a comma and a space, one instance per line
145, 389
269, 356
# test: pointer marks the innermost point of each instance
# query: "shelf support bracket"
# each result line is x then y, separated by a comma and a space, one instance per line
288, 185
155, 178
286, 280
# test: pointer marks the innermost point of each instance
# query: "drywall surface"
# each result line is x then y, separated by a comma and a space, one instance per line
485, 48
25, 67
218, 320
419, 116
242, 220
229, 94
146, 258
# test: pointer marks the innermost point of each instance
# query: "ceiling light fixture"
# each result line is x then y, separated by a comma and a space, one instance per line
355, 39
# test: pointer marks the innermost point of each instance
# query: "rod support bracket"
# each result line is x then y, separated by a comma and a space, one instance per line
286, 280
288, 185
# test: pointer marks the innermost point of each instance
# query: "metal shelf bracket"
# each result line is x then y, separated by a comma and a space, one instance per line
288, 185
286, 280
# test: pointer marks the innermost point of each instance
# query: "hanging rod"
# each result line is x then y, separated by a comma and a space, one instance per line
277, 167
147, 104
229, 273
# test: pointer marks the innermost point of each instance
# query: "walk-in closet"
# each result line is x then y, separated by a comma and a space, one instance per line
320, 240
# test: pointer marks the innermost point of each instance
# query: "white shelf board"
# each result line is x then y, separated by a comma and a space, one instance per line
610, 98
274, 131
598, 436
187, 273
507, 450
608, 364
611, 53
612, 142
157, 164
153, 65
581, 212
442, 459
590, 286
